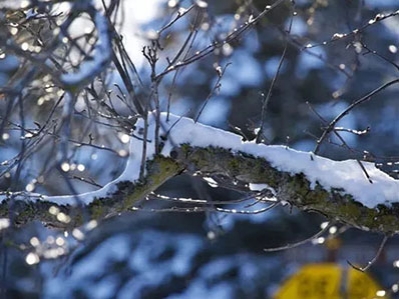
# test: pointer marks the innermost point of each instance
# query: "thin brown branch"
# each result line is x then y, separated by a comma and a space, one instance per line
374, 259
307, 240
363, 99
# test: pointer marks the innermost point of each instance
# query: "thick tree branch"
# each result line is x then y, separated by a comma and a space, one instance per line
71, 212
337, 189
294, 189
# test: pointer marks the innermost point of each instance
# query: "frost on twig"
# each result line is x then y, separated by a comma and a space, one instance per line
337, 189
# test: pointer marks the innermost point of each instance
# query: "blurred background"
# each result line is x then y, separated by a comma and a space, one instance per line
288, 76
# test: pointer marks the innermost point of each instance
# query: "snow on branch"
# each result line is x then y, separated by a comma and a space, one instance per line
92, 66
338, 189
93, 63
15, 4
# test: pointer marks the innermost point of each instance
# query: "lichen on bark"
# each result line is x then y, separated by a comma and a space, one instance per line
293, 188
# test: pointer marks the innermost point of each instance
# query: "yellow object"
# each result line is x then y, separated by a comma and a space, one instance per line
330, 281
333, 243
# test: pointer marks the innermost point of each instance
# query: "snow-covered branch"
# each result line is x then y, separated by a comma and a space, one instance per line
338, 189
92, 66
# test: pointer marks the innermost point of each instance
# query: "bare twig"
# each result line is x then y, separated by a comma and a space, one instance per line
220, 72
272, 84
363, 99
307, 240
374, 259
